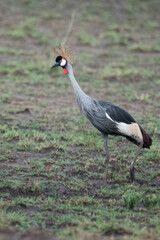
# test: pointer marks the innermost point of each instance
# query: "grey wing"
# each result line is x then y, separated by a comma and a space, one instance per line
97, 116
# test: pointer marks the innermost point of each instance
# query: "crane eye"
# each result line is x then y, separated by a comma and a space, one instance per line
63, 62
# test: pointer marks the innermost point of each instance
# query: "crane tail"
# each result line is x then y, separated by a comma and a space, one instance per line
147, 141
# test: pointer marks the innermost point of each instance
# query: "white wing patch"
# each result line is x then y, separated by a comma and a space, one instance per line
131, 130
109, 117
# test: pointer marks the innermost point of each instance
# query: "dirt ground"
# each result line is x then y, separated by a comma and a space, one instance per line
52, 159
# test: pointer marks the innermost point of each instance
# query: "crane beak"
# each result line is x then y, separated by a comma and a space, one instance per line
55, 65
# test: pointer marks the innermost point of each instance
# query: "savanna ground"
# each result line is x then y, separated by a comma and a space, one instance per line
52, 159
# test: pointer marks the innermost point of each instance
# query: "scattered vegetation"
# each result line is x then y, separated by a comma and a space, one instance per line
52, 160
134, 199
87, 38
145, 48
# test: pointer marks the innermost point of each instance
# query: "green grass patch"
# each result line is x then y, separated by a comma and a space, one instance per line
133, 199
30, 29
87, 38
146, 48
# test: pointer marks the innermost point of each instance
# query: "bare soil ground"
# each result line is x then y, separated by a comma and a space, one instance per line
52, 159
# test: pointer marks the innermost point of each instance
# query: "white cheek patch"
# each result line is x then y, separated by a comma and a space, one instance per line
63, 62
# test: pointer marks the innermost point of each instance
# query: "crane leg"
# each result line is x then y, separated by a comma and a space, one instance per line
133, 163
107, 157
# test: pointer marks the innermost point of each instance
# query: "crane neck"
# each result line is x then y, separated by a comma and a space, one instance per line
82, 98
77, 89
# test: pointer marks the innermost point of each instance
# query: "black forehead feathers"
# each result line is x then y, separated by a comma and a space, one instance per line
58, 58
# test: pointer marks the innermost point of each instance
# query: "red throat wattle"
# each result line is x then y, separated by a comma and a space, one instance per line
65, 71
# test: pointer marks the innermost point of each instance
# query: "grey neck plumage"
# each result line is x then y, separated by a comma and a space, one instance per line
84, 101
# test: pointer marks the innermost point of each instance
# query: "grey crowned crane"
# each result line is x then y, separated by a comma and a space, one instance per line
109, 119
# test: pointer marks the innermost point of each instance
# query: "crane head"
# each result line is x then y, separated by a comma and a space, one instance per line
64, 54
62, 62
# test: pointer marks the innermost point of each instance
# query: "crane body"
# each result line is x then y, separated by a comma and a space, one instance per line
108, 118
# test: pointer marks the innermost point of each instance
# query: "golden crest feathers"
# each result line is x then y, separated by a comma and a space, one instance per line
65, 52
